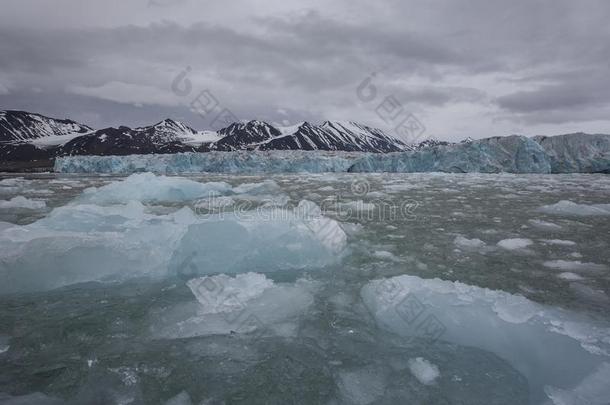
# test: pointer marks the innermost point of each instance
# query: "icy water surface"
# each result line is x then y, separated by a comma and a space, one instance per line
321, 289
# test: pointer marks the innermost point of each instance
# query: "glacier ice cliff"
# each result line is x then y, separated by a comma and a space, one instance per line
575, 153
215, 162
512, 154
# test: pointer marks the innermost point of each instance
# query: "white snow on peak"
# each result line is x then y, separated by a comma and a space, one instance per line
201, 137
289, 129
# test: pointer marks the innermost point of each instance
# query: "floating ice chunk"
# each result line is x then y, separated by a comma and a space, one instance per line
358, 205
423, 370
465, 243
376, 194
326, 230
585, 292
22, 202
549, 346
35, 398
265, 187
245, 304
39, 191
544, 225
514, 244
565, 207
214, 202
385, 255
514, 308
592, 390
147, 187
182, 398
574, 265
224, 294
79, 243
4, 343
362, 386
13, 182
559, 242
570, 276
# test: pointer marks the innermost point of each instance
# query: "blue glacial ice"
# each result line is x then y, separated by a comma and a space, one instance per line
512, 154
576, 153
108, 234
214, 162
260, 304
146, 187
551, 347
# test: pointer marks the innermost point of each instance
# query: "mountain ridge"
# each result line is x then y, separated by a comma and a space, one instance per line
36, 134
30, 140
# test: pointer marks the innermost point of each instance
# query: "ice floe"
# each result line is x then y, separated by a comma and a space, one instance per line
549, 346
545, 225
147, 187
569, 276
85, 242
248, 303
362, 386
574, 265
423, 370
385, 255
466, 243
515, 243
35, 398
23, 202
592, 390
566, 207
559, 242
183, 398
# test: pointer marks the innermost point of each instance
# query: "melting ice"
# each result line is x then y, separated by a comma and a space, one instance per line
488, 289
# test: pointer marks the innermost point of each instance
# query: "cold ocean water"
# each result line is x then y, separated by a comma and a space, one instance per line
308, 289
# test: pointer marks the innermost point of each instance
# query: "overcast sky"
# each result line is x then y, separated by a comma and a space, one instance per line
464, 68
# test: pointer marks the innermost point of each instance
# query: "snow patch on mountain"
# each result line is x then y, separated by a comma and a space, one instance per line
21, 126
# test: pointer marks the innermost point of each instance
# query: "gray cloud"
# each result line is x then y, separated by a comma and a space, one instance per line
476, 68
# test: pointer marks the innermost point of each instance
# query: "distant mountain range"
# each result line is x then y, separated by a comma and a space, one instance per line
30, 137
29, 141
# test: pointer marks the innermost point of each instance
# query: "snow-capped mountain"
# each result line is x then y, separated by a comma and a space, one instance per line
169, 130
28, 137
66, 137
21, 126
125, 141
245, 135
344, 136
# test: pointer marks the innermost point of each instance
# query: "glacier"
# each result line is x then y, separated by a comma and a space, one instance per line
213, 162
512, 154
576, 153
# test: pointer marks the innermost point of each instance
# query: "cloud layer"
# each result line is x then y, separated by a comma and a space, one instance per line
474, 68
